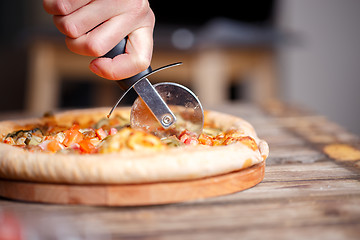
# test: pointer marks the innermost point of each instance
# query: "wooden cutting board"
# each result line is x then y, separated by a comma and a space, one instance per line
133, 194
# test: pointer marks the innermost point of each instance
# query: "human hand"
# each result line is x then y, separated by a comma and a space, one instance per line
94, 27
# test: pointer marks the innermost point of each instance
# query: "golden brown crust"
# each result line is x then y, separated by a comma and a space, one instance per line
173, 164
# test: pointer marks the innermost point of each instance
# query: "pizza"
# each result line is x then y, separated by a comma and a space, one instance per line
85, 147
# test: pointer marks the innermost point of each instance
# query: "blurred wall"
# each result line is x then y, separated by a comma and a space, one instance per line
19, 21
23, 22
322, 69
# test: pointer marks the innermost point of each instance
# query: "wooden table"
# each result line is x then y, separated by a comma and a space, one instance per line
311, 190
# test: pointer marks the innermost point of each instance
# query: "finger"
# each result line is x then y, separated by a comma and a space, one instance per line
101, 39
85, 19
63, 7
137, 57
104, 37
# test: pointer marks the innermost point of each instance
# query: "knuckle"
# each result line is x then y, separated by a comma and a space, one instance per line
47, 6
66, 26
62, 7
57, 7
94, 48
151, 18
141, 8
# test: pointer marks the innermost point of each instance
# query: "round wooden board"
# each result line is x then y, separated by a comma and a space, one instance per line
133, 194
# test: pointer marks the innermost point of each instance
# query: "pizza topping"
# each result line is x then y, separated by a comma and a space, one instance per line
206, 140
115, 135
211, 131
60, 136
100, 133
131, 139
51, 145
172, 141
113, 131
189, 138
9, 140
88, 132
73, 135
233, 136
248, 141
117, 122
87, 145
25, 137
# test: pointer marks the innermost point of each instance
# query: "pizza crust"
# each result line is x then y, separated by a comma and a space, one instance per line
174, 164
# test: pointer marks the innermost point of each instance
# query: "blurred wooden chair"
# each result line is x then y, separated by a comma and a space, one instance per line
209, 71
51, 63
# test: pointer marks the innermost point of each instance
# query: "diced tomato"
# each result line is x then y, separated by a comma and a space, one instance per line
75, 146
100, 133
50, 137
191, 141
187, 133
75, 126
51, 145
95, 141
73, 135
86, 146
113, 131
188, 138
9, 140
54, 146
206, 140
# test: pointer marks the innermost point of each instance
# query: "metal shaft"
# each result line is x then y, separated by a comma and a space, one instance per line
155, 103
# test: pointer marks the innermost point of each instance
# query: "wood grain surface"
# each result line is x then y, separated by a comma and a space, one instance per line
133, 194
306, 193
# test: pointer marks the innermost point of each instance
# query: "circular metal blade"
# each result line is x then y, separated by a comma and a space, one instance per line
182, 102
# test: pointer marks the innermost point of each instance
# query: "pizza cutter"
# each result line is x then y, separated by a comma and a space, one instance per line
163, 109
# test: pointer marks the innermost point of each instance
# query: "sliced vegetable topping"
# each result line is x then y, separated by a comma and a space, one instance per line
114, 135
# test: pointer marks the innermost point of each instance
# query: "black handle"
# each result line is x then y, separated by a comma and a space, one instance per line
125, 84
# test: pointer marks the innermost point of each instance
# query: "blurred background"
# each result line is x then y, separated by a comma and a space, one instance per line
303, 52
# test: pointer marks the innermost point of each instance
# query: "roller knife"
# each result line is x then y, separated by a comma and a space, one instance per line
145, 90
159, 106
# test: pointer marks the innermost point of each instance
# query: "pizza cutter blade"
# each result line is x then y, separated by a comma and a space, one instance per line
159, 107
182, 102
144, 89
